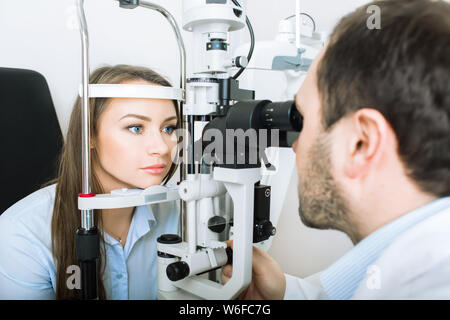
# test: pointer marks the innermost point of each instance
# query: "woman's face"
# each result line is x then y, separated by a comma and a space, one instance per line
134, 142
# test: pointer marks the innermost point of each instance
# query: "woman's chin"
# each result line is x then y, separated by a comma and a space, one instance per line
147, 184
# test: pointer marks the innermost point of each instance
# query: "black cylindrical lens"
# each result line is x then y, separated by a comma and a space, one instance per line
281, 115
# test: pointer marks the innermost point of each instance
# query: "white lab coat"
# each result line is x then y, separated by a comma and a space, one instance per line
416, 265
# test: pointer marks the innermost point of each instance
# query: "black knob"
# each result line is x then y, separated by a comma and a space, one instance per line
169, 239
263, 230
217, 224
269, 229
177, 270
241, 61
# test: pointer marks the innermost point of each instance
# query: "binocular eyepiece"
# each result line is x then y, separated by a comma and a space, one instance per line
238, 138
262, 114
283, 116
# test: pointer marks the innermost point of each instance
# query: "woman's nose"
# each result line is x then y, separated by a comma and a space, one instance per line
156, 144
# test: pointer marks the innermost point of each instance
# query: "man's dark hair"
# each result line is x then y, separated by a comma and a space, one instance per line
403, 71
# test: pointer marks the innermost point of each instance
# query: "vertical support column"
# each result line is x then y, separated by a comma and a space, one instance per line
87, 237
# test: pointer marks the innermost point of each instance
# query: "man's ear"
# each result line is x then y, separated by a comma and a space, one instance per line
368, 135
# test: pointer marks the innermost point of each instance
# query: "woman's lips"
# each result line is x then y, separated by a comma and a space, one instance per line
154, 169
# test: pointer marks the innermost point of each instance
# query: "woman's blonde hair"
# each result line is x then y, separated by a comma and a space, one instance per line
66, 216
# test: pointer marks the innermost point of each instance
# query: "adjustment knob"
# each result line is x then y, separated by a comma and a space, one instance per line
263, 230
177, 270
269, 229
241, 62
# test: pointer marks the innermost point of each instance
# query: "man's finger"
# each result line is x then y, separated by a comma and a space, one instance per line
227, 270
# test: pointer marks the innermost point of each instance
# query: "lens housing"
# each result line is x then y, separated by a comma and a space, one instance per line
274, 124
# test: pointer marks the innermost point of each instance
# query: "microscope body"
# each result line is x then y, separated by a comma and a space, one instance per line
222, 186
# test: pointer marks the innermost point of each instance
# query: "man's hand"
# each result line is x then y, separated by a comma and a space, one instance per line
268, 281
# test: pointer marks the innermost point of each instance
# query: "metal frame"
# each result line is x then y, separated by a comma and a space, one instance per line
89, 291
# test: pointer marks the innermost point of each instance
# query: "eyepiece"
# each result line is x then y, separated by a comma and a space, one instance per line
281, 115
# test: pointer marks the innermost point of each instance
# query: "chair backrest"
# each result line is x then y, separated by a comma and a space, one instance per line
30, 135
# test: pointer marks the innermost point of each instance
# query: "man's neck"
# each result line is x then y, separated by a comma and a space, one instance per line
389, 206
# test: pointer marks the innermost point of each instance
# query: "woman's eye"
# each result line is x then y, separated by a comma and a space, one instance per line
135, 129
169, 129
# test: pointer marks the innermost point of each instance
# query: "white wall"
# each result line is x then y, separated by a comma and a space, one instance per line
37, 34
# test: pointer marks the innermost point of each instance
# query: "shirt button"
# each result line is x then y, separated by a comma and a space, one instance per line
119, 276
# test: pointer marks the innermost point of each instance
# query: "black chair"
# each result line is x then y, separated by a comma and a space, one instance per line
30, 135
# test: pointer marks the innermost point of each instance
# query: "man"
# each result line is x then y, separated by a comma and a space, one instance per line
373, 158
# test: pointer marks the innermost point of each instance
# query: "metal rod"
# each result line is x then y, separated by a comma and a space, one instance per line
297, 23
87, 218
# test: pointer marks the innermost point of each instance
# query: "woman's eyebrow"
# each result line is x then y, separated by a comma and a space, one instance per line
144, 117
170, 118
136, 116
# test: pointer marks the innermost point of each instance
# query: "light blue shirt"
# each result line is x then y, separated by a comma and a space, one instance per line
27, 269
342, 278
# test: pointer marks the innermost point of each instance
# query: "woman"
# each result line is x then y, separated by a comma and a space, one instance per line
131, 144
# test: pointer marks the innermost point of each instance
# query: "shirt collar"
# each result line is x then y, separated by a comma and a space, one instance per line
343, 277
144, 217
